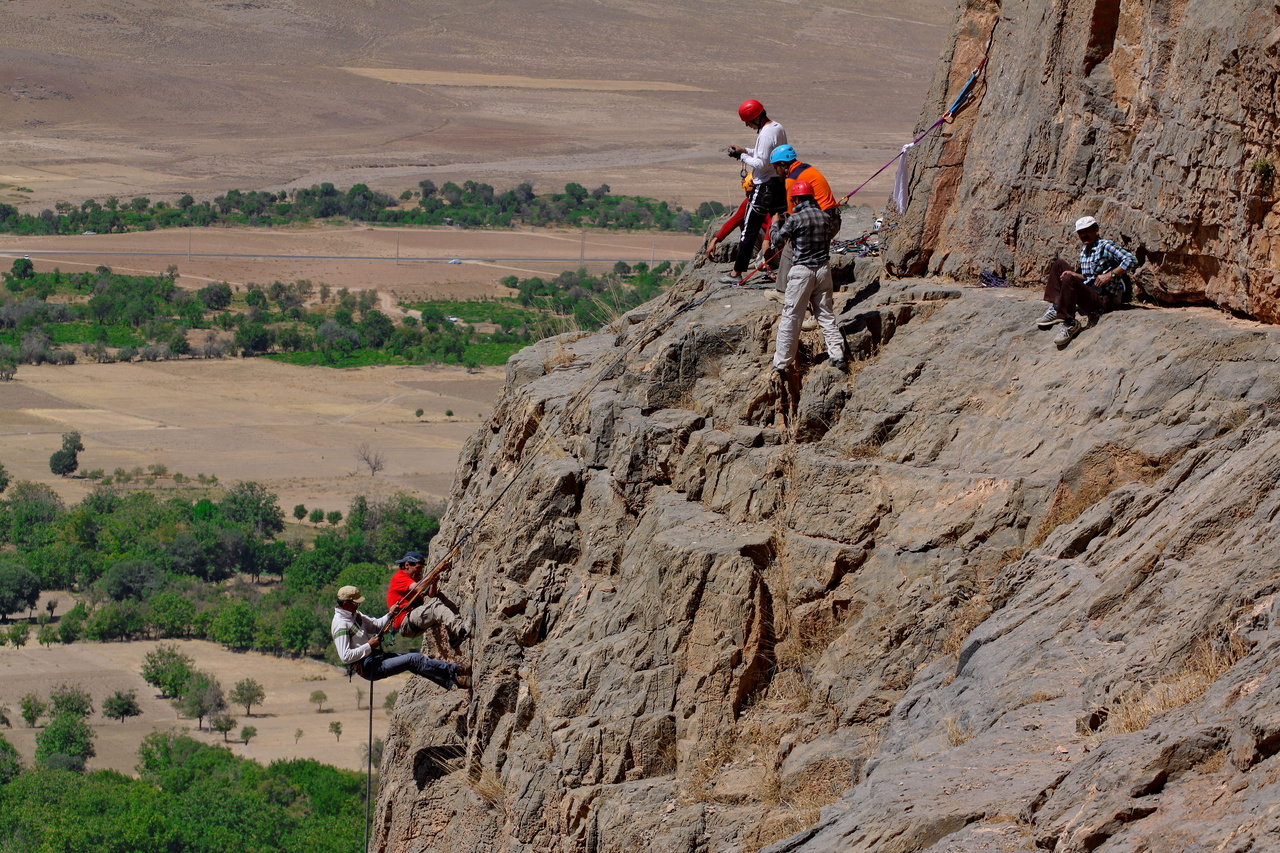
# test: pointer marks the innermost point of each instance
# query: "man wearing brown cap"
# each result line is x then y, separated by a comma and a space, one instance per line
355, 636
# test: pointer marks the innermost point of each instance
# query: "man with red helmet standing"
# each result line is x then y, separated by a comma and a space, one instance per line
769, 195
809, 280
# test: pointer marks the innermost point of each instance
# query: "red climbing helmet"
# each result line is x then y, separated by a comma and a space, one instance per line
801, 188
750, 110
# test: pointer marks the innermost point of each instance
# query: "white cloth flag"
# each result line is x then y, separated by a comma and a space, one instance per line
900, 182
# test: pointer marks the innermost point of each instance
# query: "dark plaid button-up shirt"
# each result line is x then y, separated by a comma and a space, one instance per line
1104, 256
809, 230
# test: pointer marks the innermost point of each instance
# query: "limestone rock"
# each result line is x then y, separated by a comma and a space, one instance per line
1159, 117
975, 594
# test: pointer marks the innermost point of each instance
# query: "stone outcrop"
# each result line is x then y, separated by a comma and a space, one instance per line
975, 594
1160, 117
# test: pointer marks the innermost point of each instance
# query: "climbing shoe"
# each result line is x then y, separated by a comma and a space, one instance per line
458, 637
1049, 318
1066, 332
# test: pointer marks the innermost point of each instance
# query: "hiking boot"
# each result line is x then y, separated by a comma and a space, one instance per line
462, 669
1049, 318
838, 364
1068, 331
809, 324
462, 681
458, 637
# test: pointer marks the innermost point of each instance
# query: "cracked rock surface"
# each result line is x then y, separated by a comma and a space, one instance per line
974, 594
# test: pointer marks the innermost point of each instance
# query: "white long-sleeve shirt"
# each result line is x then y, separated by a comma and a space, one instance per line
351, 634
770, 137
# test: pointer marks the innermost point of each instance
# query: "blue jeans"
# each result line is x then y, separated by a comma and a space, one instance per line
379, 665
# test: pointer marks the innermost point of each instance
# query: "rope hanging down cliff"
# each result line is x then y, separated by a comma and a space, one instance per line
947, 117
531, 454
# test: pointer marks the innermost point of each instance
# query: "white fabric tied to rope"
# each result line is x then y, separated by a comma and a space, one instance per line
900, 182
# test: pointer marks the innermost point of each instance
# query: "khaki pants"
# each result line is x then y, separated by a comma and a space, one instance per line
433, 612
807, 288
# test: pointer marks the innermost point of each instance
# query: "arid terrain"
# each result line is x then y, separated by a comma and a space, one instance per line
103, 668
403, 263
294, 429
171, 96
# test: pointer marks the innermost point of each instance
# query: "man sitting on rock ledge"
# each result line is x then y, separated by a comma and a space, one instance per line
1099, 286
355, 636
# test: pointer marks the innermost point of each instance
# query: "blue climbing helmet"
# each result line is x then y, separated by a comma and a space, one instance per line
783, 154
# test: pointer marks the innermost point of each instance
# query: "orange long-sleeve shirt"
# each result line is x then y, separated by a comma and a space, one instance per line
821, 189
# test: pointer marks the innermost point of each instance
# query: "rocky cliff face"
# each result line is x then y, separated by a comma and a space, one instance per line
1160, 117
977, 594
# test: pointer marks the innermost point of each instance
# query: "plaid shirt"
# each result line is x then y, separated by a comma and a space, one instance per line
1104, 256
809, 231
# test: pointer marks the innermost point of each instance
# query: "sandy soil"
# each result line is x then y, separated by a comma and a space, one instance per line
103, 668
406, 263
176, 96
294, 429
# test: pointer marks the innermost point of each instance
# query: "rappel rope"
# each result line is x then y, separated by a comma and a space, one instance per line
946, 118
531, 454
368, 771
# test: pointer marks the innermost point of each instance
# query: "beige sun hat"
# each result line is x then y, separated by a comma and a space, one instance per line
1085, 222
350, 593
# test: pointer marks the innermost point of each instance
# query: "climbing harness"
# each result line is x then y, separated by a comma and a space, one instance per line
946, 118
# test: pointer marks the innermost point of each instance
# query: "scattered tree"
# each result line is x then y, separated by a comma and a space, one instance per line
18, 634
121, 705
297, 736
334, 518
64, 462
248, 733
70, 699
65, 743
318, 698
201, 697
31, 708
168, 669
389, 704
317, 515
418, 413
336, 728
359, 698
299, 512
47, 635
223, 724
371, 459
19, 587
248, 693
4, 479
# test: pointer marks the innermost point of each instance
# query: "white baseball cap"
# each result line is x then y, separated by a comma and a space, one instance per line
1085, 222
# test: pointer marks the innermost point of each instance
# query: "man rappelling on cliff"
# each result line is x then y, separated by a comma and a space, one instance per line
358, 639
432, 611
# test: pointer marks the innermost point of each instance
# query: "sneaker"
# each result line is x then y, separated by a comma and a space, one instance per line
1049, 318
1068, 331
809, 324
730, 278
838, 364
458, 637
